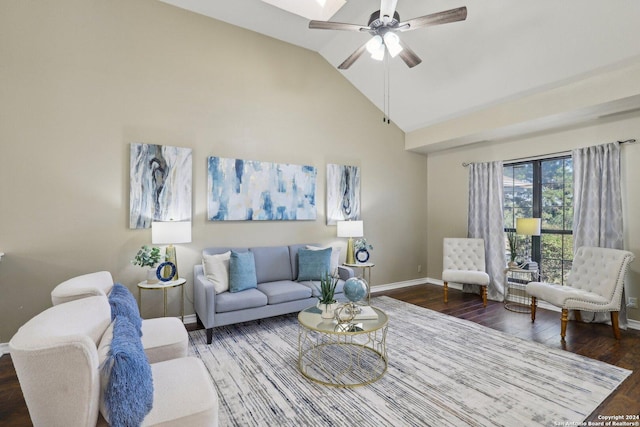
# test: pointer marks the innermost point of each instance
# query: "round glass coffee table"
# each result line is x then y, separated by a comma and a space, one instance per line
342, 354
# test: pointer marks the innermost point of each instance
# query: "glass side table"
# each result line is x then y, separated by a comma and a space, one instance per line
515, 293
163, 286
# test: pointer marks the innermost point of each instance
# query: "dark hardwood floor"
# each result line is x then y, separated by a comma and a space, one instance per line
591, 340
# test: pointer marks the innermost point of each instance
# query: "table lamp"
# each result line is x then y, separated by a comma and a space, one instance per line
350, 229
528, 227
170, 232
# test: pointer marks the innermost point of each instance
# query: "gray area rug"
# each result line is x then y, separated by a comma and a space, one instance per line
443, 371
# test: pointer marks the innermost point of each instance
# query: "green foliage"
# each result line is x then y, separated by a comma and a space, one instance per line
513, 245
327, 288
147, 257
362, 244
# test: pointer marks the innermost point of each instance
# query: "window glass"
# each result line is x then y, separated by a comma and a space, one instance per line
543, 189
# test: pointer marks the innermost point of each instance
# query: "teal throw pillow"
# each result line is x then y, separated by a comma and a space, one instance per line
313, 264
242, 271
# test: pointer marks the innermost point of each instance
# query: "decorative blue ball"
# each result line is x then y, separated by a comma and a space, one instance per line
355, 289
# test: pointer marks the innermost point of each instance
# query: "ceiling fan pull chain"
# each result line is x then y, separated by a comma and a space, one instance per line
386, 90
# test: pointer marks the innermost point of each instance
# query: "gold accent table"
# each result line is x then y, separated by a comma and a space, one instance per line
515, 295
342, 355
163, 286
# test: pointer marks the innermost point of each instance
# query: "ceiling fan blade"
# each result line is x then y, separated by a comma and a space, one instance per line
409, 56
387, 9
327, 25
444, 17
353, 57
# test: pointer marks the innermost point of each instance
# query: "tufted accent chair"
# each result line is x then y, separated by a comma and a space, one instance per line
463, 262
594, 284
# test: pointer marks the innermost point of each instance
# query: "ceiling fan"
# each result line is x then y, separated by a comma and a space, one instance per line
383, 26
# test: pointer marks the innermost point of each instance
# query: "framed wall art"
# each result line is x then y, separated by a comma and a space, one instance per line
343, 193
160, 184
250, 190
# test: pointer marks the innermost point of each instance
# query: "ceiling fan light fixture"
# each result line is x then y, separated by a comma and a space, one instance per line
374, 44
378, 54
392, 41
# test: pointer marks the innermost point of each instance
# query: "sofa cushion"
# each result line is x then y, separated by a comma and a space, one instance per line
335, 257
127, 378
284, 291
123, 303
242, 271
184, 394
313, 264
216, 269
250, 298
272, 263
87, 285
164, 338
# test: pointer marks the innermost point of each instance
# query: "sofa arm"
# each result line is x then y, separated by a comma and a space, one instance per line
204, 295
345, 272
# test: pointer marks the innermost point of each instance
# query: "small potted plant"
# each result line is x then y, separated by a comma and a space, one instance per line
513, 249
326, 301
362, 248
148, 257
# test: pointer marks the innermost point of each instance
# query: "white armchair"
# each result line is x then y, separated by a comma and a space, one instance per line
594, 284
163, 338
463, 262
58, 355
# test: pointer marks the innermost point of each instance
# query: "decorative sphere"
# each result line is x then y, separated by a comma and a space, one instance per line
355, 289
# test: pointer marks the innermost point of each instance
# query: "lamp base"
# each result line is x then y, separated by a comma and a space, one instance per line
170, 255
350, 259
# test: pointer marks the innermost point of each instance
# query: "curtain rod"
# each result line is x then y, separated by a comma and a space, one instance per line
559, 153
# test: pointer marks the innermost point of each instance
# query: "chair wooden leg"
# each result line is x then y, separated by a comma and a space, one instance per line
534, 305
614, 323
446, 292
484, 295
578, 315
563, 325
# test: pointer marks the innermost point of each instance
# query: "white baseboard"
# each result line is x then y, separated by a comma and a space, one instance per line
191, 318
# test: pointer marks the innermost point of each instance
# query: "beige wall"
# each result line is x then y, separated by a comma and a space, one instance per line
448, 183
80, 80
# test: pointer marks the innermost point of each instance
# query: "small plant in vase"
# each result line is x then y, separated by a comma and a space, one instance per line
148, 257
326, 301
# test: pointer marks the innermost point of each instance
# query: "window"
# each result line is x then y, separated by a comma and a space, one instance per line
542, 188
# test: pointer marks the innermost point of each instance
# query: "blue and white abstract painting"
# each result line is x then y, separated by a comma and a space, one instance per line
160, 188
343, 193
249, 190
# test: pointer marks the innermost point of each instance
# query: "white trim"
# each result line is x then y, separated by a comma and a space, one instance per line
191, 318
398, 285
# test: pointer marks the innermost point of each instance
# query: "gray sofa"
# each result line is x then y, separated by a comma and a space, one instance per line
277, 293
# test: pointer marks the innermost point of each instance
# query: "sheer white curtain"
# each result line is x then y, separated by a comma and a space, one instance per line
597, 206
486, 221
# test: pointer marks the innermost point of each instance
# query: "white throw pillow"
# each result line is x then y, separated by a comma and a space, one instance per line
335, 257
216, 269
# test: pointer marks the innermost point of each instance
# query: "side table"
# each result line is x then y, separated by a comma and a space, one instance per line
163, 286
515, 293
366, 274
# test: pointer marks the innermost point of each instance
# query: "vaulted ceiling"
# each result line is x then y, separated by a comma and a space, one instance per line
504, 51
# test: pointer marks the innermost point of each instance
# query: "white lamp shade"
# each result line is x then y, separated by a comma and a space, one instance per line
350, 229
528, 226
170, 232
